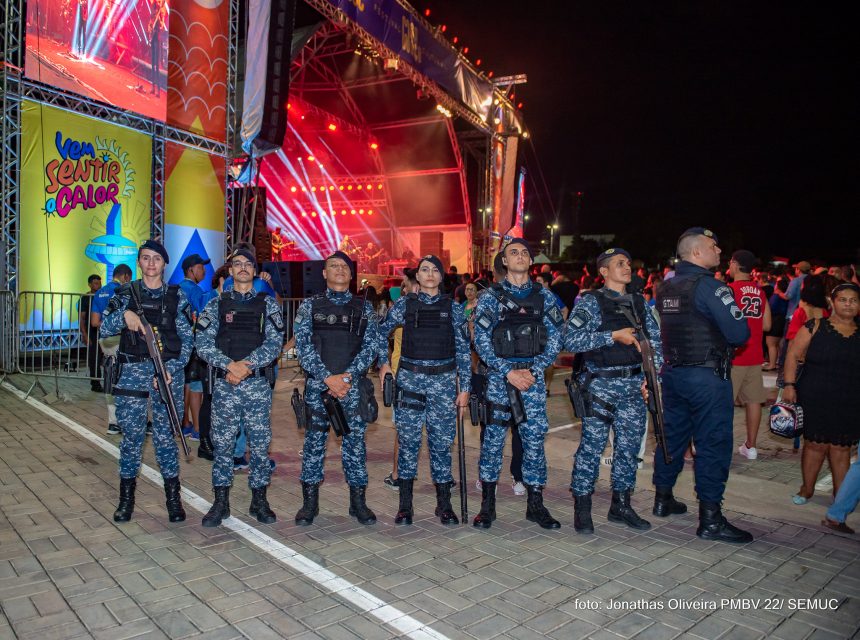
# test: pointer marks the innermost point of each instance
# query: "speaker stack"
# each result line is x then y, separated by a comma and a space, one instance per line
300, 279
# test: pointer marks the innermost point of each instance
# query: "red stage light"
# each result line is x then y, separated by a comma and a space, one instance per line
374, 146
314, 189
519, 105
349, 187
379, 186
313, 214
370, 212
293, 189
352, 211
310, 158
359, 187
361, 212
426, 13
304, 214
490, 74
289, 106
304, 189
443, 28
465, 51
343, 212
331, 187
369, 187
455, 39
332, 127
340, 187
478, 62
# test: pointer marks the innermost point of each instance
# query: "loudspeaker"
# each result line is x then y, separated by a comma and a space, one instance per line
431, 242
246, 197
274, 126
300, 279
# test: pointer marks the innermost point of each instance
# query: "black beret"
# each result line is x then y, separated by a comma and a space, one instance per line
154, 245
345, 258
436, 262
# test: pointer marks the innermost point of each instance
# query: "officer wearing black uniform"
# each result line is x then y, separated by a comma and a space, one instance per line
700, 325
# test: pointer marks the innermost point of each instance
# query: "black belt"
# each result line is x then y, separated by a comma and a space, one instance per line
522, 365
255, 373
626, 372
402, 395
127, 358
430, 370
130, 393
710, 364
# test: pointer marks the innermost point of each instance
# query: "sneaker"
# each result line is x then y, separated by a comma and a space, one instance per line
519, 488
606, 461
478, 485
391, 482
750, 453
272, 464
240, 464
190, 433
799, 499
113, 430
149, 427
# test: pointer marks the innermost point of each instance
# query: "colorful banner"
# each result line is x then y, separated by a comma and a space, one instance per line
396, 26
85, 198
114, 52
193, 218
197, 68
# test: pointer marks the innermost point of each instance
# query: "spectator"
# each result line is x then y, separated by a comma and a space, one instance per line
566, 289
801, 269
829, 389
778, 306
89, 333
460, 291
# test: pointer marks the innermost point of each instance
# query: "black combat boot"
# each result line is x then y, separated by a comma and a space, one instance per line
404, 513
443, 504
582, 522
536, 512
310, 504
260, 507
205, 450
621, 511
220, 508
126, 500
665, 503
175, 512
358, 507
487, 513
714, 526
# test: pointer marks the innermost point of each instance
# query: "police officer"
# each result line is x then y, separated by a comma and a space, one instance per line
336, 341
194, 269
602, 328
168, 311
700, 324
240, 335
435, 352
517, 335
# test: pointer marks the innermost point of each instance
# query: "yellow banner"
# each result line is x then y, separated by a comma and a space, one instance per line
85, 199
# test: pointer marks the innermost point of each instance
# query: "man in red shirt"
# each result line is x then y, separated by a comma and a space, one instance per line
747, 384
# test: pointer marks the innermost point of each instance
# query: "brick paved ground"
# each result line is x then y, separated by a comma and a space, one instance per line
68, 571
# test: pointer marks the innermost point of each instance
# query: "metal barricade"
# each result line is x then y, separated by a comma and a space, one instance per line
8, 344
54, 336
290, 307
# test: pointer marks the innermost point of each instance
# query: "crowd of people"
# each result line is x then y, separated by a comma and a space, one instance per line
495, 336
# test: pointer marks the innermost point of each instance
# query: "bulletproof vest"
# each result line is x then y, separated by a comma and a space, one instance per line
241, 325
612, 319
160, 313
689, 338
428, 332
520, 334
338, 331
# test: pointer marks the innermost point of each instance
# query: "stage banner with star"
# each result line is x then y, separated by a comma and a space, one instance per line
85, 198
193, 217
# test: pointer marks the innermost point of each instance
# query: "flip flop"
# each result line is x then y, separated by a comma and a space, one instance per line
799, 499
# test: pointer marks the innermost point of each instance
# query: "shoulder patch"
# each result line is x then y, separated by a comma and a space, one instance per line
580, 318
203, 322
555, 316
277, 319
722, 290
737, 314
188, 312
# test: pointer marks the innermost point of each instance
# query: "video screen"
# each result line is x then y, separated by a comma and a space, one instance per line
114, 51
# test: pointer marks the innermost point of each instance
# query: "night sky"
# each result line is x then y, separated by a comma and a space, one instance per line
674, 114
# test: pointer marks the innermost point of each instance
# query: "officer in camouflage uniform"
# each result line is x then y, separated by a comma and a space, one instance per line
517, 335
168, 311
337, 338
240, 334
600, 330
435, 351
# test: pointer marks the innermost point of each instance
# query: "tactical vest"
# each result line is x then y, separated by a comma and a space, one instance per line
689, 338
520, 334
612, 319
338, 331
241, 325
160, 313
428, 331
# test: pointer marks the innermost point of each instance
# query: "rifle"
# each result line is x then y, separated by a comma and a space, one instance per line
655, 398
153, 346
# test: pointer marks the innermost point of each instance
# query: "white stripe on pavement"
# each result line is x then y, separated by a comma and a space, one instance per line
361, 599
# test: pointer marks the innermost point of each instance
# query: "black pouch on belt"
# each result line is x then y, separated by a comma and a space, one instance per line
368, 407
335, 413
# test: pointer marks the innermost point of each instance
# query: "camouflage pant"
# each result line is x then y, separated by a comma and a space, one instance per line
353, 449
248, 404
131, 413
532, 432
628, 421
438, 413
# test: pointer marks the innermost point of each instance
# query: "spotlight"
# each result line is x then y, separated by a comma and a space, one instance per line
497, 120
304, 214
310, 158
361, 212
391, 65
349, 187
313, 214
370, 187
343, 212
314, 189
359, 187
370, 212
331, 187
340, 187
478, 62
379, 186
352, 211
526, 135
293, 189
374, 146
332, 126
